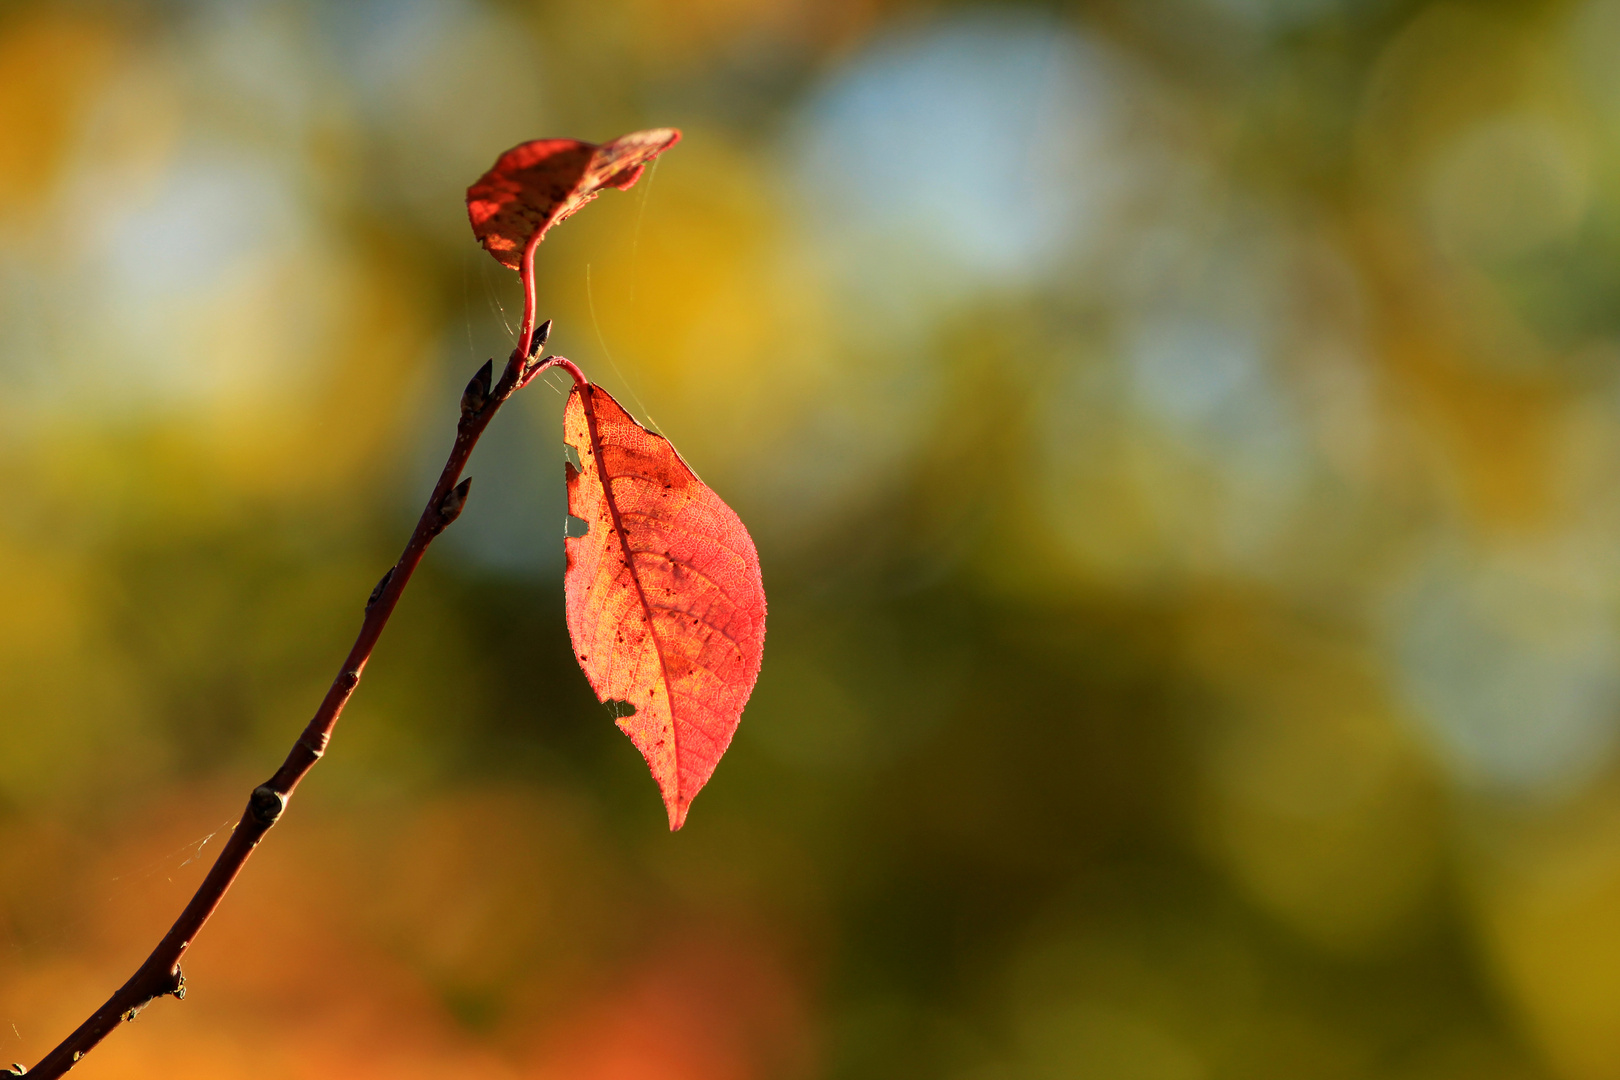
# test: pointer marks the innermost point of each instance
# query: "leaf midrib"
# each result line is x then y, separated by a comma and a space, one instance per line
589, 401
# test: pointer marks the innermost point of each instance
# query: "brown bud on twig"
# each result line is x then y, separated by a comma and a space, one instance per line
454, 499
376, 593
476, 396
266, 806
537, 345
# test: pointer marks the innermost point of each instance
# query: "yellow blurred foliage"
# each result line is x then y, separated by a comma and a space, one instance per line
693, 306
1098, 383
52, 66
1548, 897
1316, 799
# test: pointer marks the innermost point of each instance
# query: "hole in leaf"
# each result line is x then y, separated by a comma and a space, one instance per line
619, 709
571, 456
575, 527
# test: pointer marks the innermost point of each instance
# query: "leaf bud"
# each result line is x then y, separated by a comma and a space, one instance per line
454, 499
266, 806
538, 341
476, 396
376, 593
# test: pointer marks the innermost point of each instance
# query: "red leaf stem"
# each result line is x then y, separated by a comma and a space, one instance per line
538, 184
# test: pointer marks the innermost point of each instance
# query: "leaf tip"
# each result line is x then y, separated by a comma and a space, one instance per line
677, 812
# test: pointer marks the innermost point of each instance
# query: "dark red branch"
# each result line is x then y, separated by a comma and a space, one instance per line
160, 974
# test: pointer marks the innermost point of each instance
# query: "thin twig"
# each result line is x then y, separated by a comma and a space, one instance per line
160, 974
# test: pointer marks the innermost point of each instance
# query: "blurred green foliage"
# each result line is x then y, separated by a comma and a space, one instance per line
1181, 440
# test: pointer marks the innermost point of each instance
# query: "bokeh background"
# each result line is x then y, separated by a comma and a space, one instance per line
1183, 443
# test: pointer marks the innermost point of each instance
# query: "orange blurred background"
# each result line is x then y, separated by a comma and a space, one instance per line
1182, 440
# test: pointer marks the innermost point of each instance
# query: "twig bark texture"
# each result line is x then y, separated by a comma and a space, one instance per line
160, 974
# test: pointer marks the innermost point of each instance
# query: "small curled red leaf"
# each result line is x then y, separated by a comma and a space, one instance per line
666, 608
534, 186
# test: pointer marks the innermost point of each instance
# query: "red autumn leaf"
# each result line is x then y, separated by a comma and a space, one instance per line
665, 604
534, 186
